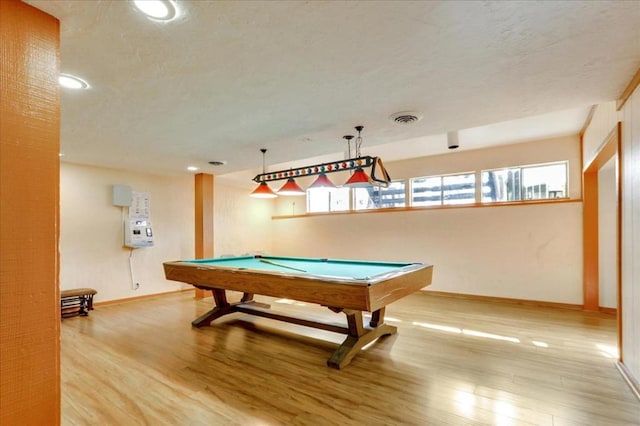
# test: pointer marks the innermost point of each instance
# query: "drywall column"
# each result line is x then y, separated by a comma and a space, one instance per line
29, 216
204, 219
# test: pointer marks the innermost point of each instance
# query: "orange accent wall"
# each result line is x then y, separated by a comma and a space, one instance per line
204, 219
590, 220
29, 216
590, 240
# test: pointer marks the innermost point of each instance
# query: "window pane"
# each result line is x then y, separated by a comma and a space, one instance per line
377, 197
317, 200
327, 199
365, 198
501, 185
525, 183
393, 195
459, 189
426, 191
339, 199
548, 181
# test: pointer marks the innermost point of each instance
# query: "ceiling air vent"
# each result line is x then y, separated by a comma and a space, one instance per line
405, 117
217, 163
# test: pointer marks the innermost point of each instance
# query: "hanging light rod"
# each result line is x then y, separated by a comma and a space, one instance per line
316, 169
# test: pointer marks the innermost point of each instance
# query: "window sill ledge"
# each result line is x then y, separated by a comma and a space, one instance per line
454, 206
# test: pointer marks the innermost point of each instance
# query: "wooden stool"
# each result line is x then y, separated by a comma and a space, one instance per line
77, 301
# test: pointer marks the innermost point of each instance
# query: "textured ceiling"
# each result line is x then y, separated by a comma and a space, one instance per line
229, 77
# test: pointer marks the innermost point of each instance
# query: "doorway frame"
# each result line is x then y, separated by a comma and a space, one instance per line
610, 147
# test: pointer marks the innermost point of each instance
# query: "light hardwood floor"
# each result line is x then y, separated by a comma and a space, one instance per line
453, 361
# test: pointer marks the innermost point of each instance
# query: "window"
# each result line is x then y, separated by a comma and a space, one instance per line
378, 197
517, 183
533, 182
327, 200
443, 190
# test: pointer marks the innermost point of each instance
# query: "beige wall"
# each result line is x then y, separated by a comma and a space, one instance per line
241, 224
542, 151
91, 231
91, 238
526, 252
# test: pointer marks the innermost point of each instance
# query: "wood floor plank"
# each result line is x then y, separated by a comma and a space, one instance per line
453, 361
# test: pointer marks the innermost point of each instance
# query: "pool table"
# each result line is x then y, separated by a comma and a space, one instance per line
348, 286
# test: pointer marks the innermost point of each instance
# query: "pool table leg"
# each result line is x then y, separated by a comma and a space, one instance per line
247, 299
359, 336
377, 317
223, 307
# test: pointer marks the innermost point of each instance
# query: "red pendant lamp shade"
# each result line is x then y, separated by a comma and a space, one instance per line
291, 188
263, 191
359, 179
322, 182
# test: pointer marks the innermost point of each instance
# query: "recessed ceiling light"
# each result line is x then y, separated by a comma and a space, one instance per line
193, 168
160, 10
72, 82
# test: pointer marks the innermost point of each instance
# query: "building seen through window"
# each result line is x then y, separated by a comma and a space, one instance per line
517, 183
443, 190
378, 197
533, 182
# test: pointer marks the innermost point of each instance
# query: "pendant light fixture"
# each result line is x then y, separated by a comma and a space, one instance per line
322, 182
291, 188
359, 178
263, 190
356, 164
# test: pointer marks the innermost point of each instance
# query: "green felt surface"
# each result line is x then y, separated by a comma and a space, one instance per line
329, 267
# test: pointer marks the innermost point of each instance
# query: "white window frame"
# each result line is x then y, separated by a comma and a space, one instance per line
354, 201
441, 177
522, 189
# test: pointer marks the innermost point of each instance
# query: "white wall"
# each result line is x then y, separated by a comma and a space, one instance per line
631, 234
91, 231
529, 252
603, 122
607, 233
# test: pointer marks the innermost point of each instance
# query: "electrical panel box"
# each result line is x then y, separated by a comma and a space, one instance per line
138, 233
122, 195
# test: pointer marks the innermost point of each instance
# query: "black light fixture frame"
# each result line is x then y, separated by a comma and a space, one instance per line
358, 162
375, 163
